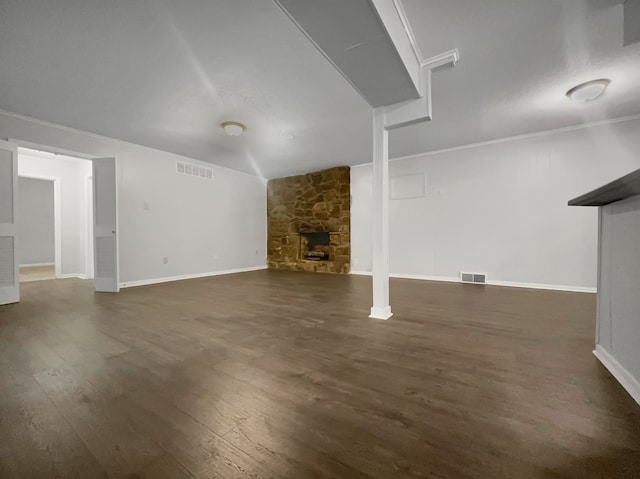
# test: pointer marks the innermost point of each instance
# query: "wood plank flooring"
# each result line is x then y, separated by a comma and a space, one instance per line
275, 374
37, 273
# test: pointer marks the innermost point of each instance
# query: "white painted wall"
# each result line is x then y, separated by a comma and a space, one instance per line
73, 202
200, 226
36, 225
501, 208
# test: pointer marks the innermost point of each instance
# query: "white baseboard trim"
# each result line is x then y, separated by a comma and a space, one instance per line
445, 279
510, 284
33, 265
72, 275
628, 382
361, 273
145, 282
553, 287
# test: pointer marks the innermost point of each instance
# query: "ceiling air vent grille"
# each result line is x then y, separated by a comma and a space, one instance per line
191, 169
475, 278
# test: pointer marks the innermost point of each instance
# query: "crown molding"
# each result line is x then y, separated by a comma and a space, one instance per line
450, 57
520, 137
511, 138
36, 146
31, 119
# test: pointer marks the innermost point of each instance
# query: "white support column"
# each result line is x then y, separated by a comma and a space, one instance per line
384, 119
380, 308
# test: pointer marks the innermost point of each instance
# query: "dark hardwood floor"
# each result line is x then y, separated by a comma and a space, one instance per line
282, 374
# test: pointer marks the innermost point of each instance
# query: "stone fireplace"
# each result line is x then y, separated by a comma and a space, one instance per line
309, 222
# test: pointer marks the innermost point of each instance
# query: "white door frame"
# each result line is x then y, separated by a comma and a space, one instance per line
90, 258
84, 156
50, 149
57, 215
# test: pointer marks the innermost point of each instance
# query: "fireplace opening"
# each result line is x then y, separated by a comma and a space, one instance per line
315, 246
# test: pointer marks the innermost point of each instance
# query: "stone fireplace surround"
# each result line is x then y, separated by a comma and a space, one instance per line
318, 202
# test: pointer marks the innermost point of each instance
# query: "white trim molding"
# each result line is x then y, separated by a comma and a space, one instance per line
510, 138
448, 58
444, 279
35, 265
43, 151
108, 139
361, 273
145, 282
552, 287
624, 377
408, 30
516, 138
72, 275
509, 284
383, 313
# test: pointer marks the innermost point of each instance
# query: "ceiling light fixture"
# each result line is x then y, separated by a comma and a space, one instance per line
233, 128
588, 91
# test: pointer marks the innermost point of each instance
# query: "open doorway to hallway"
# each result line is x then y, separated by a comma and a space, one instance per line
36, 229
55, 216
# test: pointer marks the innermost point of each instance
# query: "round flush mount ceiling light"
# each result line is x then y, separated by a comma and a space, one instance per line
233, 128
588, 91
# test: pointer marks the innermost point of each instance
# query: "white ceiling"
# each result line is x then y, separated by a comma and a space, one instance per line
354, 38
517, 60
166, 73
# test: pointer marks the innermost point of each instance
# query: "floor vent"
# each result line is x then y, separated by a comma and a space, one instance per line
190, 169
475, 278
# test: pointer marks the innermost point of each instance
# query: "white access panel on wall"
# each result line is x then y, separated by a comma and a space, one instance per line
105, 219
9, 260
405, 187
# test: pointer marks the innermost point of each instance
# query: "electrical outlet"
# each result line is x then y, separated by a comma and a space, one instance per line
145, 206
165, 260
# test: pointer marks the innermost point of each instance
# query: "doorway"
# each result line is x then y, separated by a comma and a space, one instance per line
36, 228
72, 253
54, 219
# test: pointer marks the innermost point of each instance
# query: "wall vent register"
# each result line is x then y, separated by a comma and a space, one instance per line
191, 169
475, 278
